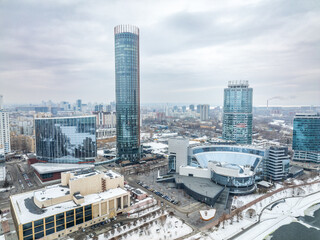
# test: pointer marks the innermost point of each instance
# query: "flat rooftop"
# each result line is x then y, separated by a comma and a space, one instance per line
239, 158
43, 168
201, 186
81, 116
51, 192
27, 211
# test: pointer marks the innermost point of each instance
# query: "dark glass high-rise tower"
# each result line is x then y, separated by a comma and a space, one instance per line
237, 112
306, 138
127, 66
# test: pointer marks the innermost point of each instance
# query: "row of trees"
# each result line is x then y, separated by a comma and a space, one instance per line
224, 217
22, 143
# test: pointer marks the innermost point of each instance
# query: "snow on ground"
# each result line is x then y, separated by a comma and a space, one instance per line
310, 211
2, 237
157, 147
231, 229
198, 236
304, 190
158, 227
279, 212
6, 189
100, 152
282, 214
144, 212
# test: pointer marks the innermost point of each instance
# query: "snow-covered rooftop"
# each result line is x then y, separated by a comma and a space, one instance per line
242, 159
43, 168
50, 192
157, 147
27, 211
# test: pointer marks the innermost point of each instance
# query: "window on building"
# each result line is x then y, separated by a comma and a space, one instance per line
60, 222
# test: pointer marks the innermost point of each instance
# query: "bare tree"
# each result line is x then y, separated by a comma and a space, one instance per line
238, 213
223, 219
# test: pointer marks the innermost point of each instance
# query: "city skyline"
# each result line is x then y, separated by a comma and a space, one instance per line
64, 51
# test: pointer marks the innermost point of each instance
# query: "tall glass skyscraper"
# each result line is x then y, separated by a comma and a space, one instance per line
66, 139
306, 138
127, 91
237, 112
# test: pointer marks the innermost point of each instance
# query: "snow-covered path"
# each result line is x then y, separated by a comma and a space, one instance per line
282, 214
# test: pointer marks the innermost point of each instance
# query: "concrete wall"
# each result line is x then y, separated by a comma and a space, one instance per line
179, 148
86, 185
195, 171
114, 182
52, 201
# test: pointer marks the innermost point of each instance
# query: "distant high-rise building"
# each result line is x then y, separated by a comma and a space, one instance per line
1, 102
306, 138
105, 119
184, 109
98, 108
66, 139
204, 112
2, 167
237, 112
4, 128
79, 105
191, 107
198, 108
127, 91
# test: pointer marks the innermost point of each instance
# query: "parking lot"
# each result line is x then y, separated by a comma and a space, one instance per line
166, 190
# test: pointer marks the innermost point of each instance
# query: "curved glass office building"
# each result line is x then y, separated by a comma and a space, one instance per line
127, 73
66, 139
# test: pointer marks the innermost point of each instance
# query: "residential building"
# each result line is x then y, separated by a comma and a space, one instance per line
104, 133
191, 107
84, 198
98, 108
127, 72
105, 119
204, 112
1, 102
66, 139
79, 105
198, 108
5, 131
306, 138
237, 112
2, 167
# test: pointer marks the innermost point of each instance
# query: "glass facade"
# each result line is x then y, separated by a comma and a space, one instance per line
44, 227
228, 149
66, 140
306, 138
127, 91
237, 113
232, 181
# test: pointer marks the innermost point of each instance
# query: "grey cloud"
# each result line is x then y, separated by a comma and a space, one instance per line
65, 48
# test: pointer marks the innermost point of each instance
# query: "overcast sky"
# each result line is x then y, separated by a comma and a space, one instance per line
62, 50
